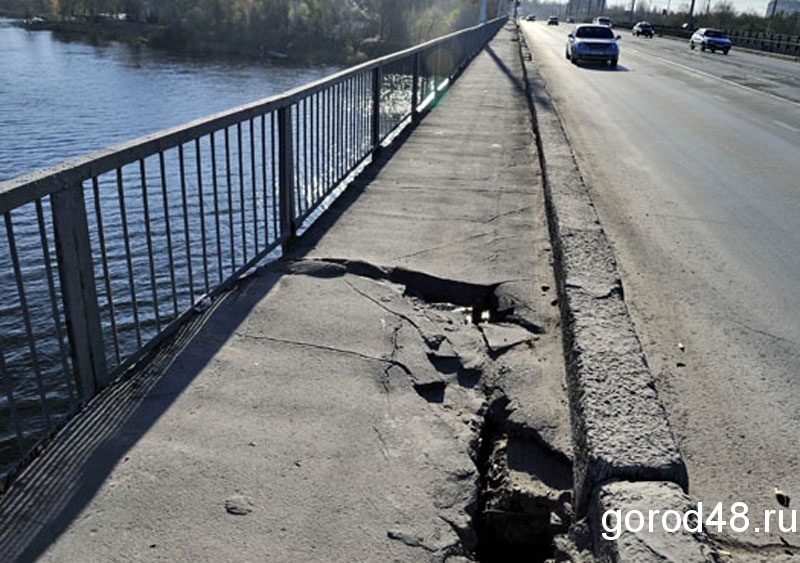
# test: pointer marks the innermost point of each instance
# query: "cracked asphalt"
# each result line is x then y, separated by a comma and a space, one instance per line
335, 405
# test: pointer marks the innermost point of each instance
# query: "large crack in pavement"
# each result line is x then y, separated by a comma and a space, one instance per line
485, 359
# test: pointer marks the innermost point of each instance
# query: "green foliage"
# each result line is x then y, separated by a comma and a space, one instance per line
303, 29
721, 14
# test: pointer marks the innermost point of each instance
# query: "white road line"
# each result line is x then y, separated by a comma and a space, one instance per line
786, 126
714, 77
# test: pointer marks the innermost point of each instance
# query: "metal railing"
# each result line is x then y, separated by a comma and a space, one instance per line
103, 257
769, 42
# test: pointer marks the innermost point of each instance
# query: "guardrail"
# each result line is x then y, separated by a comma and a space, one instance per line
769, 42
103, 257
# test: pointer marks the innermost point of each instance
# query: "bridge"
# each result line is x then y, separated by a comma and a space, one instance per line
366, 320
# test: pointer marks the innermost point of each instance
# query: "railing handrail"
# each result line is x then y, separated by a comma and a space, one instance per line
213, 197
31, 186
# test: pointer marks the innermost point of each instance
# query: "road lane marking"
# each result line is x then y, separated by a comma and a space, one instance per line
715, 77
786, 125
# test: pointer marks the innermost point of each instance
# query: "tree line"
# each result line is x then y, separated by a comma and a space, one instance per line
316, 30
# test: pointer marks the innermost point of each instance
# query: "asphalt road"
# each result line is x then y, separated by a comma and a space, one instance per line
693, 162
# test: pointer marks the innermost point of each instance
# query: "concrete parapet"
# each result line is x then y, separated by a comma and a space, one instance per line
619, 426
660, 505
625, 454
620, 429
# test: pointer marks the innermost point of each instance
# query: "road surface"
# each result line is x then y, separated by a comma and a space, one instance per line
693, 162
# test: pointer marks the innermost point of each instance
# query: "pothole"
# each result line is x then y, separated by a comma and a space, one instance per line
524, 500
469, 350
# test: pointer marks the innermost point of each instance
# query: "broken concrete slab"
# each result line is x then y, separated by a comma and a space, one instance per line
500, 336
647, 521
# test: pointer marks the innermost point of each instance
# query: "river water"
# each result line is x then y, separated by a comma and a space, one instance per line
60, 100
63, 99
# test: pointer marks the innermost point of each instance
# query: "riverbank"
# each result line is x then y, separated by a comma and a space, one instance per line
178, 40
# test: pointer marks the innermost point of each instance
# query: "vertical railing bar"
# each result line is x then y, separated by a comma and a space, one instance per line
274, 149
149, 239
340, 131
312, 186
324, 115
106, 274
12, 405
54, 302
415, 87
128, 256
168, 229
202, 207
319, 132
318, 142
264, 177
230, 198
286, 173
299, 198
330, 137
253, 183
365, 113
299, 154
309, 187
376, 110
215, 185
242, 200
308, 135
186, 232
299, 181
315, 143
360, 115
332, 145
346, 108
335, 107
26, 316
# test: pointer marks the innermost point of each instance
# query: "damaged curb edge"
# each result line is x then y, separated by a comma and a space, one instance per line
622, 439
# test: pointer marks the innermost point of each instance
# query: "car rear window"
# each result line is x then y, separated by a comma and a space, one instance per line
595, 32
714, 33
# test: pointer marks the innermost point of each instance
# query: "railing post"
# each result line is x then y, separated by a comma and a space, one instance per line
376, 110
286, 177
81, 309
415, 87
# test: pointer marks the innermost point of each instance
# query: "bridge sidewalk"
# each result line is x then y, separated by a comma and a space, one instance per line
342, 404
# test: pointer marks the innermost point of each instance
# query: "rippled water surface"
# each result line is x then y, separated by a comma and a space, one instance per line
64, 99
60, 100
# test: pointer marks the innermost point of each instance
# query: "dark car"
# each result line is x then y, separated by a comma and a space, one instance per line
712, 39
593, 43
643, 28
552, 20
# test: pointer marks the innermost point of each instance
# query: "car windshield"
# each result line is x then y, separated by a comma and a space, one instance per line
595, 32
714, 33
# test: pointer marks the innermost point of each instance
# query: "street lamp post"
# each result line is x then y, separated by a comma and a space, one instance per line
772, 15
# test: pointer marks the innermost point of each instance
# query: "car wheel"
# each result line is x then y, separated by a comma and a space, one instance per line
702, 47
691, 45
613, 63
725, 51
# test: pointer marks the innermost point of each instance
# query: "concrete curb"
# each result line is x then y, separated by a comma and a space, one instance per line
619, 426
660, 505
